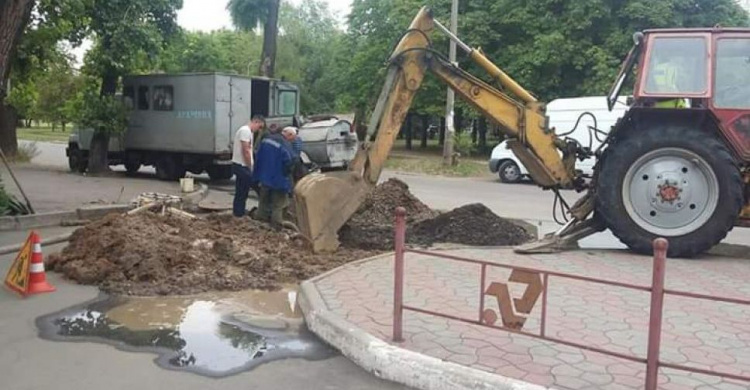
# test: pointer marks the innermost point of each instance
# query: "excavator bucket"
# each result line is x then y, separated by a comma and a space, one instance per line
324, 202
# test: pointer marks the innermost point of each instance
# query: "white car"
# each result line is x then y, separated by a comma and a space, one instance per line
563, 114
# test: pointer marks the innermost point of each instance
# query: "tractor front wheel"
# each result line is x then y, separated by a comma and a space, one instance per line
675, 182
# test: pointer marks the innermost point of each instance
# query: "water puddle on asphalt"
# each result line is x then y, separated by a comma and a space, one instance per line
216, 334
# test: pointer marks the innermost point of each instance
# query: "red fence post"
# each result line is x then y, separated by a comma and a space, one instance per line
657, 305
398, 275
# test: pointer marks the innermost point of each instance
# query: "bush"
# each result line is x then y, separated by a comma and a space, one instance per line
8, 203
462, 144
26, 151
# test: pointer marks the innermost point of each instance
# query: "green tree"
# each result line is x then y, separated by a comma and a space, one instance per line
23, 97
247, 15
124, 32
558, 48
308, 53
57, 89
554, 48
216, 51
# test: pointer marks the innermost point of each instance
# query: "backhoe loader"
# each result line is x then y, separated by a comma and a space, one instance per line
677, 165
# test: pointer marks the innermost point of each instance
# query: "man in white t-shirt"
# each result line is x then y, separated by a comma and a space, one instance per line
243, 162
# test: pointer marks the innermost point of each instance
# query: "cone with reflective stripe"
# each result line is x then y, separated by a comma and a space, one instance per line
37, 278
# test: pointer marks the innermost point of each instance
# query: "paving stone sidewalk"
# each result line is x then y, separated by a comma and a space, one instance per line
698, 333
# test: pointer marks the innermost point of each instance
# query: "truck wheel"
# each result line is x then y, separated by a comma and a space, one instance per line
219, 172
76, 161
670, 181
509, 172
132, 167
169, 169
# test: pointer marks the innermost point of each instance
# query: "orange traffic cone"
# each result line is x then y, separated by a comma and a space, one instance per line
37, 278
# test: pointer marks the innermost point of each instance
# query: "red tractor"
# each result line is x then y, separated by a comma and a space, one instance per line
678, 164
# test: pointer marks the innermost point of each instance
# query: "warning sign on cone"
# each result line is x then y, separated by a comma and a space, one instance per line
26, 275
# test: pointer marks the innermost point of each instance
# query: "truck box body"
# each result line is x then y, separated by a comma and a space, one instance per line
204, 113
192, 118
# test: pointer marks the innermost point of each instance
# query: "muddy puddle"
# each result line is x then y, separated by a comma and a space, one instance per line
216, 334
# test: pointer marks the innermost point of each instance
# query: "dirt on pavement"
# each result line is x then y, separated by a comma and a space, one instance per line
371, 227
152, 254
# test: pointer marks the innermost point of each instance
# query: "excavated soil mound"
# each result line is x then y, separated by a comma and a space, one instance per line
371, 227
150, 254
473, 224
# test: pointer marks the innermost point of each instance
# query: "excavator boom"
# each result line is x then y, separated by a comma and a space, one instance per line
326, 201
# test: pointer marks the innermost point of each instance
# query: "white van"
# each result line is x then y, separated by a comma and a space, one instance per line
563, 114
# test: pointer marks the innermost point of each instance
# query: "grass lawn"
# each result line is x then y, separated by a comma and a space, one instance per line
434, 166
433, 149
44, 133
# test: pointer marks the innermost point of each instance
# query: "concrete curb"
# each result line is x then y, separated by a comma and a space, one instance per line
389, 361
57, 218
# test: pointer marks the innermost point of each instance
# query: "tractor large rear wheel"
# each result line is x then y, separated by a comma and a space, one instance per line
672, 181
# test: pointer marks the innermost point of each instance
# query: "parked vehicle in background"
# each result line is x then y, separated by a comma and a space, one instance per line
186, 122
563, 114
328, 143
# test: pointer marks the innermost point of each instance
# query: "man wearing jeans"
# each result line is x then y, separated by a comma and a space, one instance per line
243, 162
273, 172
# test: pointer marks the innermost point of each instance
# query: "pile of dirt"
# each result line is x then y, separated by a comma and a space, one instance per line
371, 227
151, 254
473, 224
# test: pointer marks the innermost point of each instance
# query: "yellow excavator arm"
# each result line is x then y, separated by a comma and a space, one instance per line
325, 202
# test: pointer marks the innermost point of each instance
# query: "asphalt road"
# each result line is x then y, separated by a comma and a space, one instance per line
53, 187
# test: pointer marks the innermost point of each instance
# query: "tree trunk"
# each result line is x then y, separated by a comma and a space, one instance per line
270, 33
14, 15
98, 162
483, 135
474, 132
425, 125
8, 122
459, 120
63, 126
408, 133
441, 132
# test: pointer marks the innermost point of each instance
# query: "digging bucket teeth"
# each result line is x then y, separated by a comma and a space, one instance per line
324, 202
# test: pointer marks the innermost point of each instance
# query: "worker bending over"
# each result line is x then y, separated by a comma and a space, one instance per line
273, 167
291, 134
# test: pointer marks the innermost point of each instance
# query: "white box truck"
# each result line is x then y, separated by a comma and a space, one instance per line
186, 122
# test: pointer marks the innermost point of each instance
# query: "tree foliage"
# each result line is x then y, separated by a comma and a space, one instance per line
23, 97
106, 113
554, 48
307, 53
